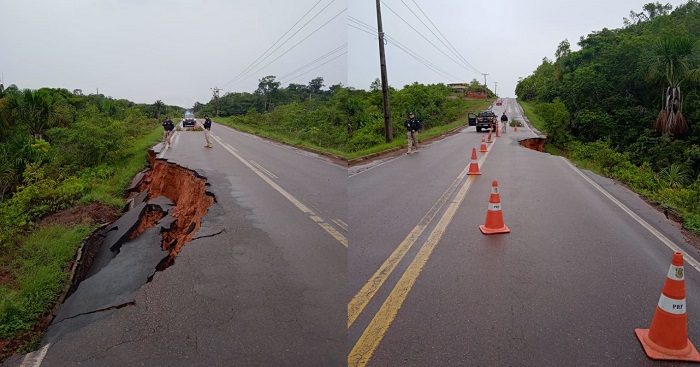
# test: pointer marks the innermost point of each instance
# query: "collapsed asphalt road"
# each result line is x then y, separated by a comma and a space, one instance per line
256, 281
165, 206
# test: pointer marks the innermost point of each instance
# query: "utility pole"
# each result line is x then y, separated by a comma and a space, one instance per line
484, 79
216, 100
495, 89
388, 131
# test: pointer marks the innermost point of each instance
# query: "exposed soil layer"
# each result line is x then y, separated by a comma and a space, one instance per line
187, 190
89, 214
534, 143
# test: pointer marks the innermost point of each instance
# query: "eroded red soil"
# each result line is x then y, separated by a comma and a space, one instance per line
187, 191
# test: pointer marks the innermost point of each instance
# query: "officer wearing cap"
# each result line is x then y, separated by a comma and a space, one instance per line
412, 126
207, 131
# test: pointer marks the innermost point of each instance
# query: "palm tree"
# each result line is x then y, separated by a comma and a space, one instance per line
158, 105
675, 62
36, 110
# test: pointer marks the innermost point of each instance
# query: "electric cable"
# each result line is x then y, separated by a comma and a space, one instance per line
297, 44
258, 61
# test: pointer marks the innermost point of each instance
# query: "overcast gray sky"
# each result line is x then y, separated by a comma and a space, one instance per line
505, 39
174, 50
178, 50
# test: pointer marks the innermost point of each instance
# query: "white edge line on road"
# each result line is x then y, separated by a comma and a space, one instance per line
341, 224
294, 149
688, 259
34, 359
373, 167
328, 228
264, 169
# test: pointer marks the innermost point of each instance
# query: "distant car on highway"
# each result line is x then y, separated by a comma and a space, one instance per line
188, 119
499, 102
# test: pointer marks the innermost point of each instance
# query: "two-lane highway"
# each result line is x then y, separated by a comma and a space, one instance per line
262, 283
582, 267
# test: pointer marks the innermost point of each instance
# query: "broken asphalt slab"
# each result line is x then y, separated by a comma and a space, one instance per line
120, 275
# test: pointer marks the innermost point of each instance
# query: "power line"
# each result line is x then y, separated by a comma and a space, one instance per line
405, 49
308, 71
258, 60
431, 31
316, 60
363, 30
431, 43
443, 36
423, 60
297, 44
362, 23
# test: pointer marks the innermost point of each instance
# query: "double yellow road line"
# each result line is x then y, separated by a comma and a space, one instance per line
362, 352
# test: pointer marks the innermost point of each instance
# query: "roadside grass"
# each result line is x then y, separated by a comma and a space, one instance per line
228, 121
400, 136
535, 120
600, 158
38, 270
34, 271
400, 139
108, 187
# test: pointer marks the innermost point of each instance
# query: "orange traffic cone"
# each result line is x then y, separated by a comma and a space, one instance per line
667, 338
496, 128
494, 217
474, 165
515, 127
489, 138
483, 145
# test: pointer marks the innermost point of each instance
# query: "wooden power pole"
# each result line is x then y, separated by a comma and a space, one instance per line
388, 131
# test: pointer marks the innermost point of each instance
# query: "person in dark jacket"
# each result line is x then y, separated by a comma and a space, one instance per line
504, 121
168, 127
412, 126
207, 131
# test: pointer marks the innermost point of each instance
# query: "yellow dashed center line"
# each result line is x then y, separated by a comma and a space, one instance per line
374, 333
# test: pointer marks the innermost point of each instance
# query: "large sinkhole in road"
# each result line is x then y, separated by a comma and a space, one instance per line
534, 143
187, 190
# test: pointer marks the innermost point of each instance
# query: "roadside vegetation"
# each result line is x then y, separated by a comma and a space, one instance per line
627, 105
345, 122
60, 150
67, 151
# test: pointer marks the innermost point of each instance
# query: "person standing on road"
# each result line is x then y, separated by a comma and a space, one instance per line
504, 121
412, 126
207, 131
168, 127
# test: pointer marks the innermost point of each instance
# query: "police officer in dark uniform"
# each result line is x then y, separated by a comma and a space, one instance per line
504, 121
412, 126
168, 127
207, 131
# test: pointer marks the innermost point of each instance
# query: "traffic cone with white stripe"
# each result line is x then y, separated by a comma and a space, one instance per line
489, 138
474, 165
497, 129
667, 338
494, 217
483, 145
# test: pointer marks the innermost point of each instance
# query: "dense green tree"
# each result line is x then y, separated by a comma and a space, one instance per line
316, 84
267, 89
